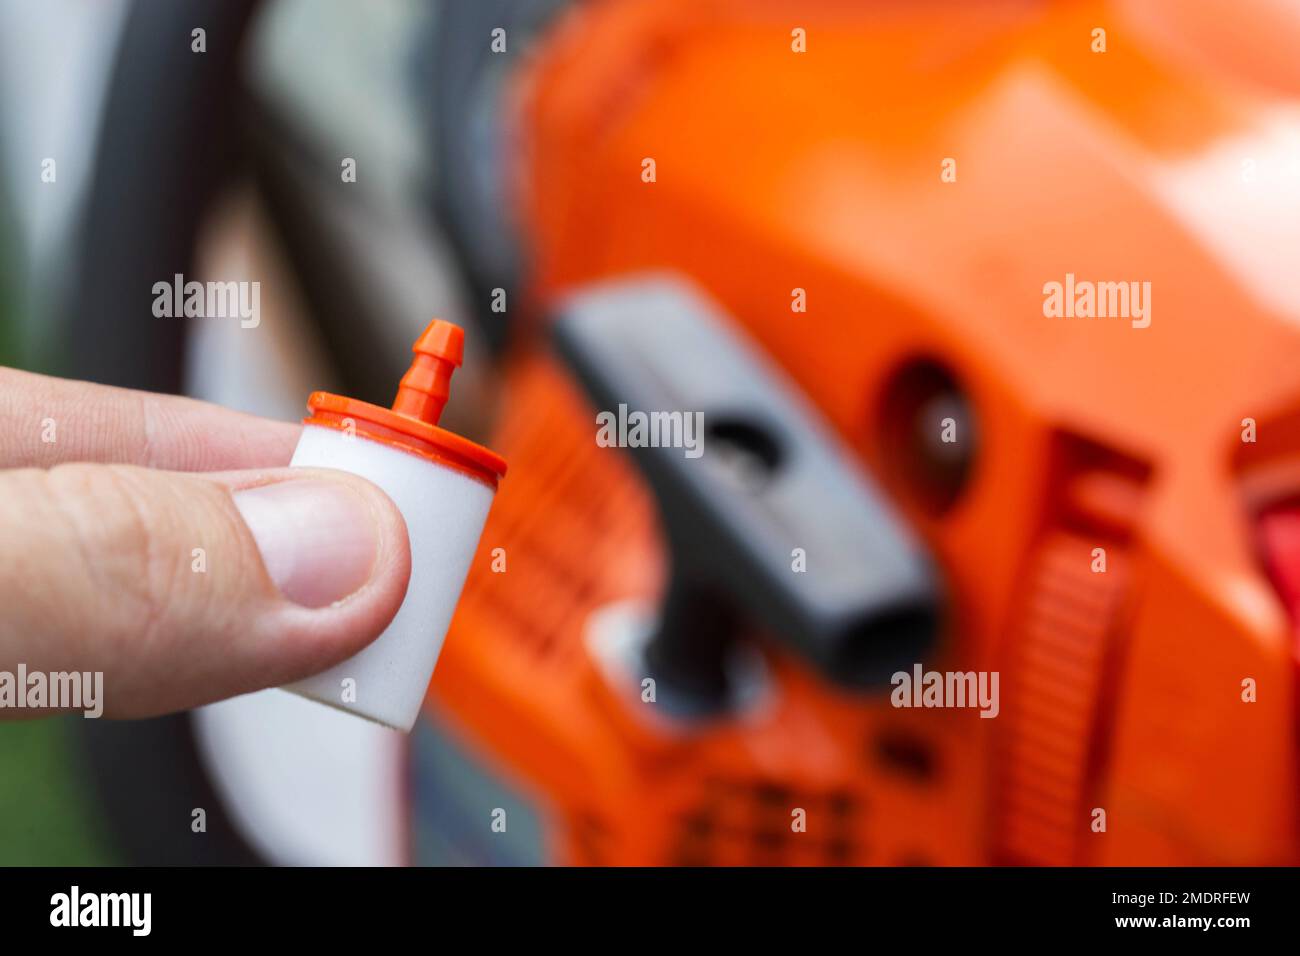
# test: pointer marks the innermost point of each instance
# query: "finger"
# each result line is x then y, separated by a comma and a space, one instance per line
184, 589
48, 421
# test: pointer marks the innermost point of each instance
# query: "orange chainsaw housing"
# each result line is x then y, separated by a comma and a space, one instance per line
776, 170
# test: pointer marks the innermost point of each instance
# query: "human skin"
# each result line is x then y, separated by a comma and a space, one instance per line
163, 542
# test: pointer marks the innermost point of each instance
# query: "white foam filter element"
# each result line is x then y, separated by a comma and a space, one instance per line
445, 511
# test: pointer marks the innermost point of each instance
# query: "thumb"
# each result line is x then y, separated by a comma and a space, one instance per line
184, 589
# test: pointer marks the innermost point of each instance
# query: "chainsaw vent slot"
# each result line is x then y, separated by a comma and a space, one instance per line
576, 528
906, 755
749, 824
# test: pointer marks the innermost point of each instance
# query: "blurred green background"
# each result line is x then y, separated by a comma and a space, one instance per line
48, 814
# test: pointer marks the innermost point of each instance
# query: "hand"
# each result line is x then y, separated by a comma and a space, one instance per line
133, 541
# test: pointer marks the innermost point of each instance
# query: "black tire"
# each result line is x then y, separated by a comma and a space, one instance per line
157, 171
